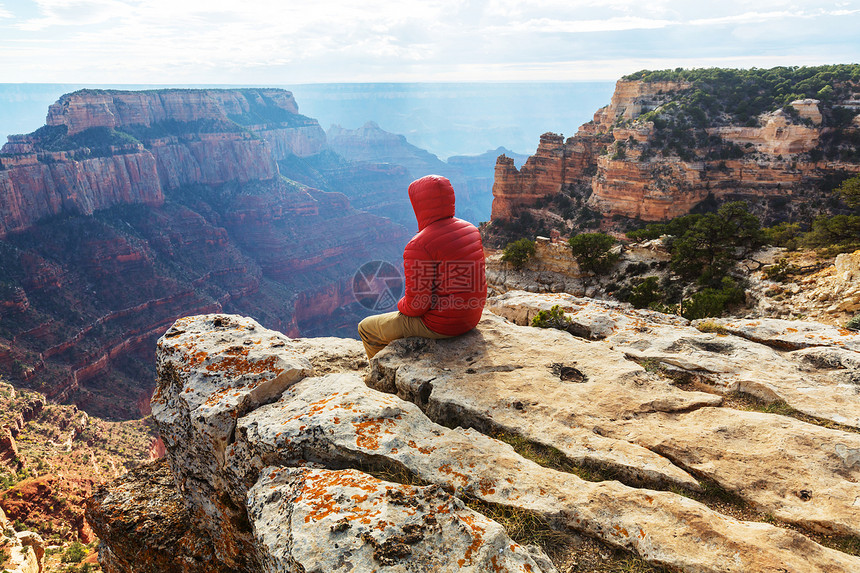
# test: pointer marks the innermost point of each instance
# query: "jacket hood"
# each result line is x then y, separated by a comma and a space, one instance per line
432, 199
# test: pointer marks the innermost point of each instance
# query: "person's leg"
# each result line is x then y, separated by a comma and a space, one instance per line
378, 331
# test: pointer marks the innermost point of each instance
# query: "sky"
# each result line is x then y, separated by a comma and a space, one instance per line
298, 41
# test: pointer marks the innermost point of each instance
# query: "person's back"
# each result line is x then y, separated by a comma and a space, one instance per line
445, 286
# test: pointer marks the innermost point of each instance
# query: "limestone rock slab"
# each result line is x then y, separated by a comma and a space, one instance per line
543, 384
766, 458
212, 369
789, 334
819, 378
337, 421
323, 521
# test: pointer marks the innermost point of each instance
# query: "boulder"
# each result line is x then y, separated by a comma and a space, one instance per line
323, 521
213, 369
144, 526
35, 542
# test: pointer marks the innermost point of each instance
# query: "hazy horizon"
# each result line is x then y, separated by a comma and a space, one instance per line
445, 118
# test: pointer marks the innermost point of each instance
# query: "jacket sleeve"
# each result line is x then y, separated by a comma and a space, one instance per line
420, 276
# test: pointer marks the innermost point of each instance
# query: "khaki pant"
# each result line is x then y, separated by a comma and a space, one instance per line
379, 330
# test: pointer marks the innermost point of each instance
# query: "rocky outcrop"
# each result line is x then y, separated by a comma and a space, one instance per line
269, 441
121, 517
632, 98
830, 295
551, 269
53, 501
22, 552
32, 191
171, 138
191, 214
9, 449
555, 164
625, 159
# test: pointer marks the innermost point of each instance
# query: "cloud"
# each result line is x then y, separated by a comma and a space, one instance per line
224, 41
73, 13
550, 26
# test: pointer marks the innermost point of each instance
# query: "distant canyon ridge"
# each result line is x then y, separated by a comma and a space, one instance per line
130, 209
671, 142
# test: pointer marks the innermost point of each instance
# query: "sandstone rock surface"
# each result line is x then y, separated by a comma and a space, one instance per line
346, 520
781, 456
250, 447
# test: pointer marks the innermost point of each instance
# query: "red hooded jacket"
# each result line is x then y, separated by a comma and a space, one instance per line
443, 263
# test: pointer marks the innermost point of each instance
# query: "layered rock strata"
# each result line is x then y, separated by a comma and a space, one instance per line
621, 158
173, 137
186, 212
268, 438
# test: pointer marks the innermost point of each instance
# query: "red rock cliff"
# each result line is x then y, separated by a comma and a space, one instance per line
170, 138
633, 170
172, 203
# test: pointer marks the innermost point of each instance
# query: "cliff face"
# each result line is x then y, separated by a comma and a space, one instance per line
654, 154
133, 208
276, 447
149, 142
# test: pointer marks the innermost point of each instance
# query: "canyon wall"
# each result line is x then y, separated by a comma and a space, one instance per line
652, 154
169, 138
130, 209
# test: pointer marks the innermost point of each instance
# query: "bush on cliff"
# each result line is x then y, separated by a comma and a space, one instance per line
850, 192
782, 235
712, 301
518, 252
705, 246
854, 323
593, 251
833, 235
646, 293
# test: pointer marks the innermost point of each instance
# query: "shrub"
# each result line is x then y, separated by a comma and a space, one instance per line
837, 234
711, 301
75, 553
850, 192
780, 271
782, 235
715, 242
592, 251
518, 252
645, 293
711, 326
552, 318
854, 323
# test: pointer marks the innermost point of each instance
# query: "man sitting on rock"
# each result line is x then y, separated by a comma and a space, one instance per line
445, 287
